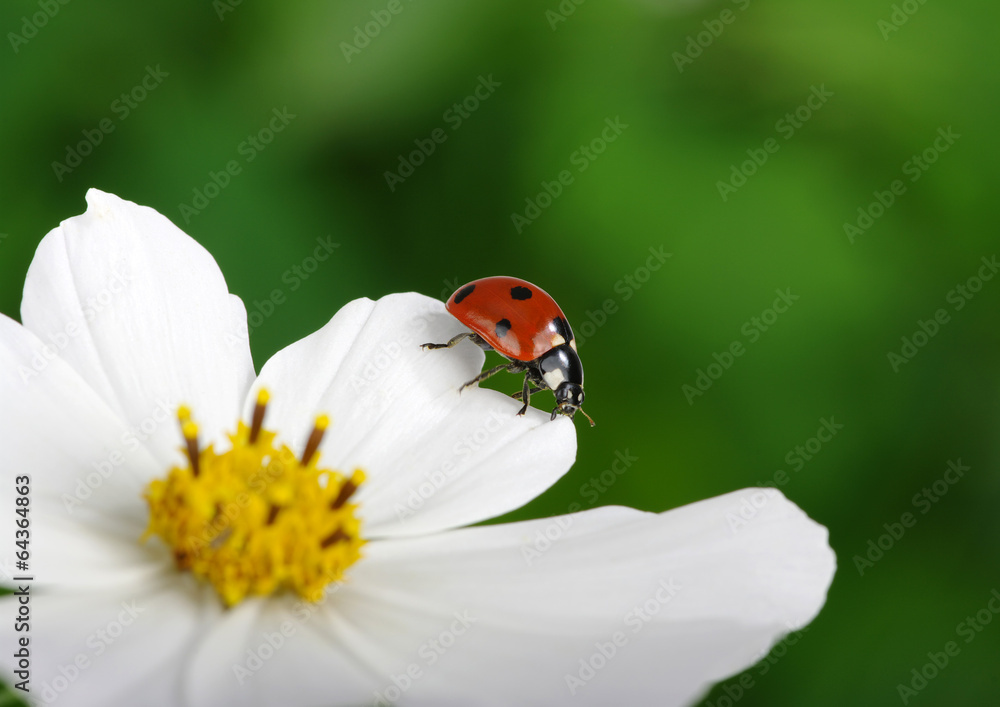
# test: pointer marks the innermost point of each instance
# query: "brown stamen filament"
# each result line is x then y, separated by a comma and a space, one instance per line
335, 537
346, 491
322, 422
190, 431
258, 414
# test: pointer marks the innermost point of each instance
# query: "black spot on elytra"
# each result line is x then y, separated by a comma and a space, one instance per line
503, 326
520, 292
463, 293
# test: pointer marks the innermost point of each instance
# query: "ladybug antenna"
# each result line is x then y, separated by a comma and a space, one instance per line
589, 418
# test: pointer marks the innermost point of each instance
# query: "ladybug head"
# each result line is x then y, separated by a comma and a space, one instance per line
569, 399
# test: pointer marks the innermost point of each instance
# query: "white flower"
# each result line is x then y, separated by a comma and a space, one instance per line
125, 319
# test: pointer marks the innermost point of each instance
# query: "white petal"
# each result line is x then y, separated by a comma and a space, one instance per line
271, 652
142, 313
124, 645
86, 473
434, 458
691, 596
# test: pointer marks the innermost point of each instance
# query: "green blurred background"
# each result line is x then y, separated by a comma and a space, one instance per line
697, 85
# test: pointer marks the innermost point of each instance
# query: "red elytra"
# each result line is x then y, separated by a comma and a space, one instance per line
519, 320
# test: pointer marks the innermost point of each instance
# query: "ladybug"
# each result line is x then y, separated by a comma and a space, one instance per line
522, 323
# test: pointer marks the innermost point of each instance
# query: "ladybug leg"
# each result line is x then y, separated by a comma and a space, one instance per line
526, 392
532, 390
451, 342
512, 367
470, 335
479, 341
533, 383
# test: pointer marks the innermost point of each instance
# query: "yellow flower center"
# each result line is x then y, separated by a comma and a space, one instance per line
256, 519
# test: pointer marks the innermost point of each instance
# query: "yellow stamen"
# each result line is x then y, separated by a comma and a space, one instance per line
254, 520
